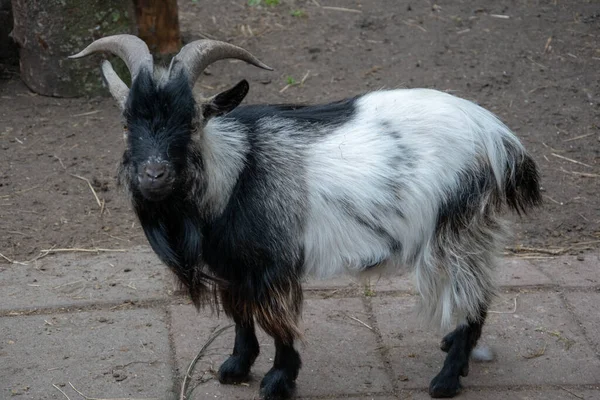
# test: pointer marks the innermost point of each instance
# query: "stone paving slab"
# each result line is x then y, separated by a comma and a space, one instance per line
512, 272
571, 271
541, 393
331, 284
548, 346
586, 307
539, 343
516, 272
404, 396
75, 280
104, 354
367, 286
339, 356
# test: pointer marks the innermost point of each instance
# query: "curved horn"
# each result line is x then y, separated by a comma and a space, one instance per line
194, 57
129, 48
116, 86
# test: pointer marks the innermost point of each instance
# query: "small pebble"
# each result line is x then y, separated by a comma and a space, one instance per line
580, 258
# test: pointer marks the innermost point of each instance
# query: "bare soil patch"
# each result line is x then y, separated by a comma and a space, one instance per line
534, 63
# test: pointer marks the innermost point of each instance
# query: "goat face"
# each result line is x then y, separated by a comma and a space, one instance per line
161, 114
160, 122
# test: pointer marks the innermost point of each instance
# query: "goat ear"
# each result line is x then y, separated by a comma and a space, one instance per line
226, 101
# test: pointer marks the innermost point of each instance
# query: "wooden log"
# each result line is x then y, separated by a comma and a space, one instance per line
158, 25
47, 31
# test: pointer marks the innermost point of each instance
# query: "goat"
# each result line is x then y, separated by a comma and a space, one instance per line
243, 203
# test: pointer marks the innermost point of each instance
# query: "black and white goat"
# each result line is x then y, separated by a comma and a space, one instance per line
243, 203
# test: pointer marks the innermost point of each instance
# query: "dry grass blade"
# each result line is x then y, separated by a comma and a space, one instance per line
289, 85
76, 250
410, 23
188, 373
514, 310
60, 161
537, 63
91, 188
586, 243
45, 252
578, 137
352, 10
87, 113
567, 342
21, 191
534, 257
571, 160
11, 261
571, 393
60, 390
584, 174
305, 77
535, 354
547, 46
359, 321
111, 398
523, 249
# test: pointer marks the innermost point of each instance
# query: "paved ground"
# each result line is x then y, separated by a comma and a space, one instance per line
113, 326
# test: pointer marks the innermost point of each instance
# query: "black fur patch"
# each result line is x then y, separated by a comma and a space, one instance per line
253, 245
521, 191
386, 127
522, 185
331, 114
159, 121
173, 229
242, 244
459, 208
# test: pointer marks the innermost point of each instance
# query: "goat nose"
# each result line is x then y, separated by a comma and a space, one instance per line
155, 171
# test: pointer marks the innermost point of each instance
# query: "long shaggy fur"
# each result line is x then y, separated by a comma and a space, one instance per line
243, 203
392, 181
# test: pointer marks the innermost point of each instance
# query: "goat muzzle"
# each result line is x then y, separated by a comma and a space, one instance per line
155, 180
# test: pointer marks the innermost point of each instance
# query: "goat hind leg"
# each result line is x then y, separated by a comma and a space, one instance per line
458, 344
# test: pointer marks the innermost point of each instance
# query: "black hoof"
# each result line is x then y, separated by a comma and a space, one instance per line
233, 370
276, 385
444, 387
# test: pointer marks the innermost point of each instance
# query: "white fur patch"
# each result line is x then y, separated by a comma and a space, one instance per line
483, 353
360, 164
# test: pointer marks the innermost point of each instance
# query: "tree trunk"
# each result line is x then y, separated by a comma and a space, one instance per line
158, 25
47, 31
8, 49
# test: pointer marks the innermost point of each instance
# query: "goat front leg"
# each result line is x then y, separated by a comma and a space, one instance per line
278, 317
458, 344
280, 382
245, 349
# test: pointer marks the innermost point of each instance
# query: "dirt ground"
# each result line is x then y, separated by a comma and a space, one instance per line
534, 63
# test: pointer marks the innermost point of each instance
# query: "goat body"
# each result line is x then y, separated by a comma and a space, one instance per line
243, 203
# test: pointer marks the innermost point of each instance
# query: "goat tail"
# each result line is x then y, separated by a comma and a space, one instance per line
521, 180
